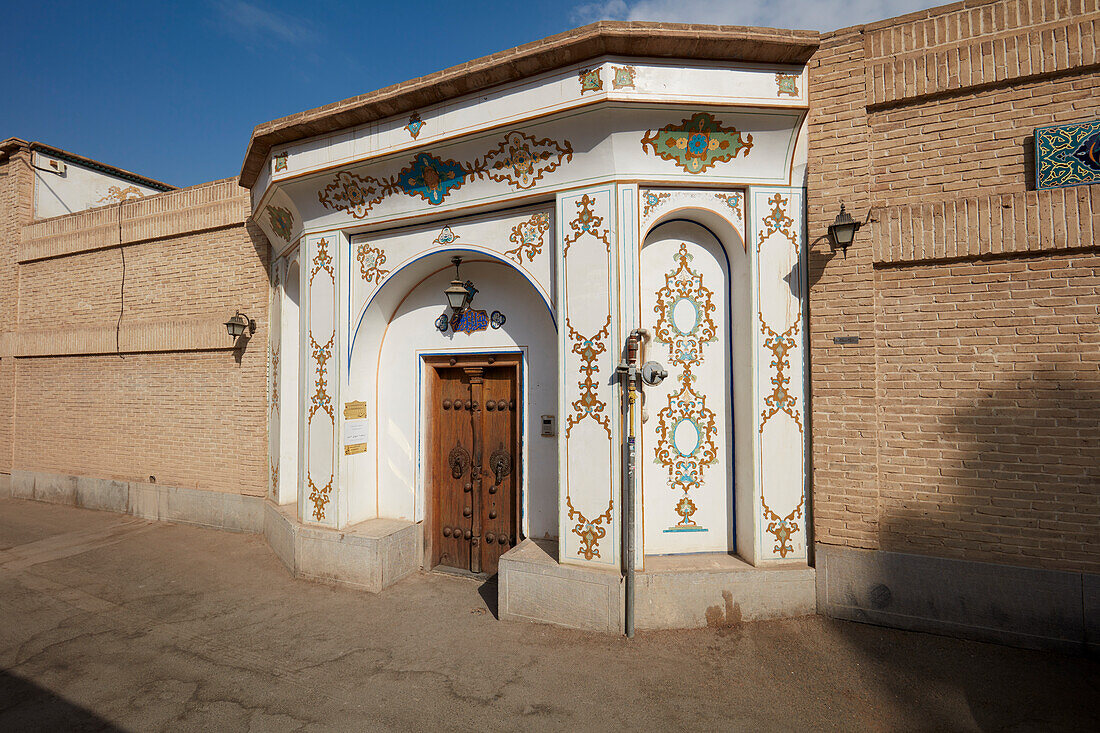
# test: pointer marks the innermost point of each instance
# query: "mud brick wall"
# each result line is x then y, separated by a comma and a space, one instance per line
966, 421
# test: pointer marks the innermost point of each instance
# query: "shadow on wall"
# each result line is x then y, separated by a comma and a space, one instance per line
26, 706
1005, 471
1008, 473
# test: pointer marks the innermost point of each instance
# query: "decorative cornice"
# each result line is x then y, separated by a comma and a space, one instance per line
615, 38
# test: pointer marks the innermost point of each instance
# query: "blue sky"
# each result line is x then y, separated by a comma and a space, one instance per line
172, 90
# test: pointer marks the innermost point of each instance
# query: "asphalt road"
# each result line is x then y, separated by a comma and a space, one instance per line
110, 622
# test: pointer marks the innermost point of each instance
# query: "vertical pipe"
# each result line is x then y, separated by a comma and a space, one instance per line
630, 370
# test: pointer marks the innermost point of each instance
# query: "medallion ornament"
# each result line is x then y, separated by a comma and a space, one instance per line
685, 313
590, 80
786, 84
431, 178
415, 124
281, 220
624, 77
446, 236
697, 143
280, 162
353, 194
528, 237
520, 160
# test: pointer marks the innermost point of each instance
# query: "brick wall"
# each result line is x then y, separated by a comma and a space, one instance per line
177, 401
16, 202
966, 421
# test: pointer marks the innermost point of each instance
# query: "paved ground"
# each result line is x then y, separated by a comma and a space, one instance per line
112, 622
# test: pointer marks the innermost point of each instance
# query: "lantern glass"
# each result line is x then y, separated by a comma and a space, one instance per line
456, 295
843, 229
235, 326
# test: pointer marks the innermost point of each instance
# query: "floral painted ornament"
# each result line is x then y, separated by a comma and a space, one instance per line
697, 143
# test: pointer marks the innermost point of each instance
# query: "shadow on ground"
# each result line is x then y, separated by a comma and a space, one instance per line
24, 706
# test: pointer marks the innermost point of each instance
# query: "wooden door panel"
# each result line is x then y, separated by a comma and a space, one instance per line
454, 461
476, 465
500, 427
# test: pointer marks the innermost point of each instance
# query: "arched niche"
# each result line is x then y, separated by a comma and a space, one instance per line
697, 429
386, 371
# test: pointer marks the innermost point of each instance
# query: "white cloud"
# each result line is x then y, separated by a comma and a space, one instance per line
252, 23
821, 15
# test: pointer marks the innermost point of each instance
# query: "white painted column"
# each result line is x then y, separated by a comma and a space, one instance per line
319, 467
777, 242
589, 344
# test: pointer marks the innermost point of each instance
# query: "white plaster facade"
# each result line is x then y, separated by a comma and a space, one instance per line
586, 201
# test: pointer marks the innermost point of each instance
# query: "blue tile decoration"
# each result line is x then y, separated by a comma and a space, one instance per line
1067, 155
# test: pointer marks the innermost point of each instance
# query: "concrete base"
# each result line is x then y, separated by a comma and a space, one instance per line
532, 586
214, 509
717, 589
1025, 607
371, 555
674, 592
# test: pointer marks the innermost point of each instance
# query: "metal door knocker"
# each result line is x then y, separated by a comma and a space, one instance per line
500, 463
459, 461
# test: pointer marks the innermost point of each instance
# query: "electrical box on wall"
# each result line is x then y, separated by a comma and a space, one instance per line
44, 163
549, 426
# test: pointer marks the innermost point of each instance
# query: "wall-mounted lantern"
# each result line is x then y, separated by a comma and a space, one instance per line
238, 324
459, 294
843, 230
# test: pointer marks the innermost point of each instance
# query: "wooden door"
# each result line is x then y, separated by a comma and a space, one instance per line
475, 439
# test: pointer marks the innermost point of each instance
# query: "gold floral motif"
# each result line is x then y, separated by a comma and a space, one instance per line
777, 222
589, 405
521, 160
652, 200
780, 344
356, 195
321, 400
685, 469
685, 284
590, 531
274, 378
528, 236
115, 194
783, 528
588, 222
624, 77
274, 477
371, 260
732, 200
786, 84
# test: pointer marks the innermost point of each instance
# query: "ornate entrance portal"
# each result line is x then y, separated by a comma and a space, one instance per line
474, 457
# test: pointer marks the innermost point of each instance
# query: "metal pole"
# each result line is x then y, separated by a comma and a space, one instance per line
629, 369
